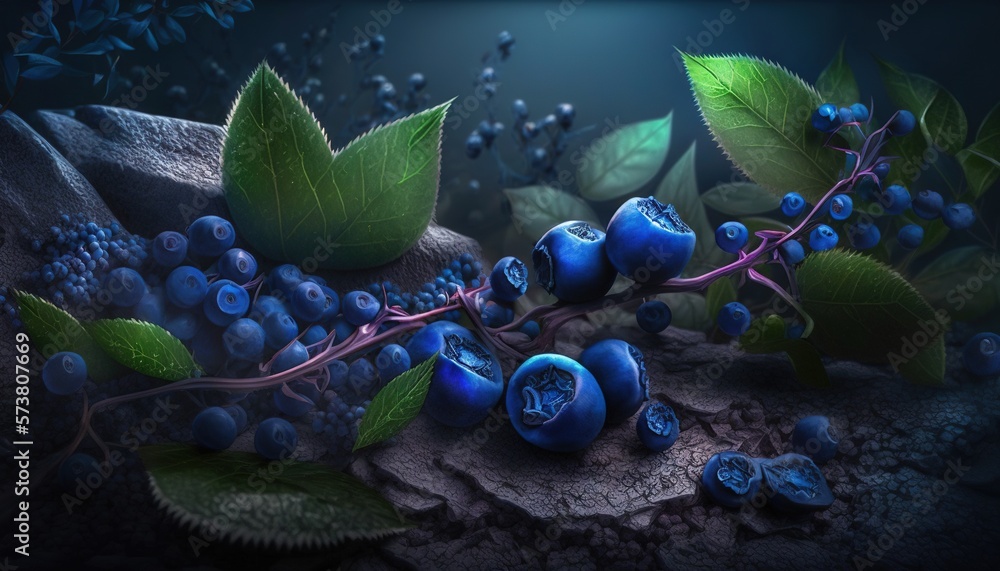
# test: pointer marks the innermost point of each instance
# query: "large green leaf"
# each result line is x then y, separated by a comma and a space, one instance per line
239, 497
864, 310
941, 118
981, 159
144, 347
759, 113
965, 280
294, 200
625, 159
395, 405
768, 336
836, 82
536, 209
741, 199
53, 330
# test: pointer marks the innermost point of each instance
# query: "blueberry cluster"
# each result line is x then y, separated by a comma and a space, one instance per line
336, 420
462, 273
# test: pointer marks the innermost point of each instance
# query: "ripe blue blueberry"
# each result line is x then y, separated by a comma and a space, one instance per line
392, 361
653, 316
496, 315
731, 478
417, 81
910, 236
186, 287
275, 439
360, 308
981, 355
816, 438
308, 302
244, 340
467, 381
795, 484
342, 329
792, 204
239, 415
169, 248
265, 305
565, 113
76, 470
648, 242
826, 118
822, 238
657, 426
902, 123
225, 302
570, 262
210, 236
331, 304
181, 324
868, 186
151, 307
279, 329
958, 216
214, 428
841, 207
509, 279
519, 108
928, 204
474, 145
792, 252
731, 237
881, 170
284, 278
860, 112
734, 319
531, 328
846, 115
126, 287
555, 403
620, 370
896, 199
64, 373
539, 158
313, 335
289, 358
863, 234
238, 265
291, 402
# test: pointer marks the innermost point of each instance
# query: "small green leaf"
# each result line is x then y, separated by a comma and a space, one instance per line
536, 209
396, 405
864, 310
759, 113
240, 497
687, 310
294, 200
53, 330
981, 159
144, 347
741, 199
625, 159
941, 118
836, 83
769, 336
955, 279
721, 292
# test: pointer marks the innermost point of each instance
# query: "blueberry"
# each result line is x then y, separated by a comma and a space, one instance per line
496, 315
868, 186
902, 123
64, 373
292, 403
826, 118
531, 329
731, 478
342, 328
981, 355
360, 308
958, 216
151, 308
792, 252
275, 439
731, 237
653, 316
225, 302
289, 358
648, 242
126, 287
910, 236
863, 234
539, 158
841, 207
284, 278
313, 335
214, 428
822, 238
181, 324
509, 279
846, 115
210, 236
657, 426
928, 204
264, 306
239, 415
169, 248
565, 113
417, 82
620, 370
734, 319
244, 340
467, 381
519, 108
505, 41
237, 265
570, 262
186, 287
308, 302
555, 403
794, 483
792, 204
487, 132
392, 361
815, 437
331, 304
896, 199
881, 170
279, 329
860, 112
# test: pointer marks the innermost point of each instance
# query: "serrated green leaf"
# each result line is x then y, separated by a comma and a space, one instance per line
144, 347
240, 497
966, 280
625, 159
941, 118
536, 209
295, 200
759, 113
396, 405
721, 292
981, 160
741, 199
687, 310
53, 330
864, 310
836, 82
769, 335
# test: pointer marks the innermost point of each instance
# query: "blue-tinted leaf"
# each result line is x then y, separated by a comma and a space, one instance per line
38, 59
145, 6
207, 8
161, 33
119, 43
46, 6
186, 11
95, 48
77, 6
51, 52
111, 7
150, 40
227, 22
98, 77
242, 7
73, 72
90, 19
175, 29
11, 69
40, 72
136, 28
54, 32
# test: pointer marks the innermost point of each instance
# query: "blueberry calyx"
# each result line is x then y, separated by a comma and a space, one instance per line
546, 394
469, 355
664, 215
660, 418
583, 231
736, 472
640, 361
541, 257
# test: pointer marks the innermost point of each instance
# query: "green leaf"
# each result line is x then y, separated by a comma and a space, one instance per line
769, 335
741, 199
962, 280
941, 118
687, 310
238, 496
53, 330
536, 209
680, 188
981, 160
294, 200
836, 83
396, 405
144, 347
864, 310
721, 292
755, 224
759, 113
625, 159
